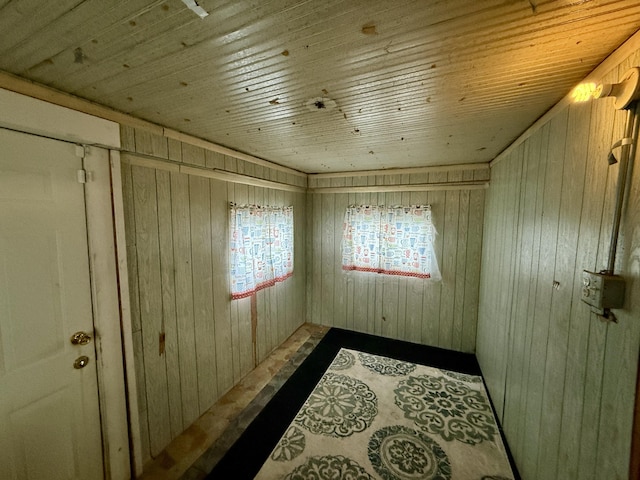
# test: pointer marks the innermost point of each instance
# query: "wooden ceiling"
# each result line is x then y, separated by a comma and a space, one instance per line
322, 86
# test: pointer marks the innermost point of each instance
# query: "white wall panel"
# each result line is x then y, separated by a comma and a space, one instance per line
177, 245
563, 381
423, 311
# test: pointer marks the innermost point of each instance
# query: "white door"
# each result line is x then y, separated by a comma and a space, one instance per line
49, 414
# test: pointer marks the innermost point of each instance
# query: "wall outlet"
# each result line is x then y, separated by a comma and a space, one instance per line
602, 291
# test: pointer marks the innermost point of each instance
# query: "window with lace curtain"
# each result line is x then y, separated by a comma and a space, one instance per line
261, 247
394, 240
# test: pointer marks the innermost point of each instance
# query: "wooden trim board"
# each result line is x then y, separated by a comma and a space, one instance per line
418, 187
217, 174
106, 302
29, 115
125, 312
240, 178
401, 171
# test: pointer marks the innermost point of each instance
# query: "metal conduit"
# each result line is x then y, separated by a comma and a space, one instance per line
628, 150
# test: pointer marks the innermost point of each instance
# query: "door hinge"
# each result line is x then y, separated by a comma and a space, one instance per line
80, 151
82, 176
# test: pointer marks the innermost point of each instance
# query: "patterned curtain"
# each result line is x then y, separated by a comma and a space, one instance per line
261, 245
391, 240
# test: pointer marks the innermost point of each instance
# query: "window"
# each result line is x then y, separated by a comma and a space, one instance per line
261, 244
390, 240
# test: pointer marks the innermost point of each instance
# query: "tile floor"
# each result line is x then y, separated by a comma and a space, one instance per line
194, 452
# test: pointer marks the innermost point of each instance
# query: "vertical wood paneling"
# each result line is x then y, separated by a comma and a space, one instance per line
181, 218
192, 155
499, 251
432, 291
174, 148
151, 144
169, 319
489, 269
132, 257
297, 286
314, 287
520, 291
527, 283
461, 266
531, 391
221, 291
141, 384
423, 311
568, 391
327, 261
150, 290
556, 355
577, 347
601, 403
340, 279
134, 303
177, 248
553, 155
622, 340
510, 257
200, 202
214, 160
472, 274
308, 246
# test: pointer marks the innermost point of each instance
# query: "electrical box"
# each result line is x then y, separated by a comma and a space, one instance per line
602, 291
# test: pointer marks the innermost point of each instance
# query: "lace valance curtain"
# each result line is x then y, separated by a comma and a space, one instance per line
394, 240
261, 247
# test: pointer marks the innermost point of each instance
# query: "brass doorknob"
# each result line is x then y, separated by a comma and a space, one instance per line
81, 362
80, 338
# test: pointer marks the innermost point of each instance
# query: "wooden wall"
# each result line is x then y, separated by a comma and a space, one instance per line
434, 313
563, 382
177, 243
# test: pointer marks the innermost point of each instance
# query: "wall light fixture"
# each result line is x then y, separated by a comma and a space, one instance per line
625, 92
604, 290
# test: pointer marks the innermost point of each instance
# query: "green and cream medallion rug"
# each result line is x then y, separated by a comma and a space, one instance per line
373, 417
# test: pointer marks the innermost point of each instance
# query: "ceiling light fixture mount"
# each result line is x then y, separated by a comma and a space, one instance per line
195, 8
320, 103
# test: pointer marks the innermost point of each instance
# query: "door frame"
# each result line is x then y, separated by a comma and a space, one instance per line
97, 142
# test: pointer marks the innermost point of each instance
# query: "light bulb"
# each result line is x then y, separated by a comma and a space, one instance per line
584, 92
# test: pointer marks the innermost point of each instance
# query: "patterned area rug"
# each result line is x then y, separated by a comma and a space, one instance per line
373, 417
